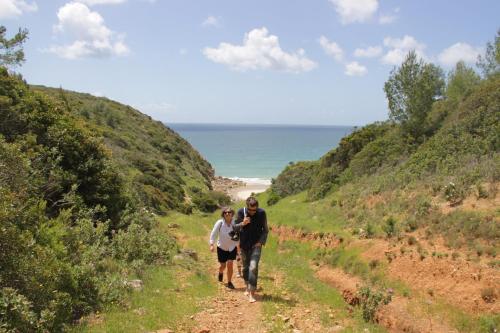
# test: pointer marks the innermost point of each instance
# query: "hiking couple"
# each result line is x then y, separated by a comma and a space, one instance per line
251, 225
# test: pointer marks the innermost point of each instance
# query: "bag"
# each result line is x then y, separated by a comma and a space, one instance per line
235, 236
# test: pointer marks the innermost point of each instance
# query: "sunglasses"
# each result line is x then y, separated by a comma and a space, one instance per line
225, 213
252, 210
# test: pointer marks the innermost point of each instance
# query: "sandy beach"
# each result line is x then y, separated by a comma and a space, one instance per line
244, 191
240, 188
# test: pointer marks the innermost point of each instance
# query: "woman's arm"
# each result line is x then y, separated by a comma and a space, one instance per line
215, 232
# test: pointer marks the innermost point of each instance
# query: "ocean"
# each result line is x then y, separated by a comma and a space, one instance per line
258, 153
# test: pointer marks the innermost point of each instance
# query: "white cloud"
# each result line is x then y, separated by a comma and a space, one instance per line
352, 11
369, 52
93, 37
211, 21
457, 52
355, 69
387, 19
331, 48
15, 8
183, 51
259, 51
101, 2
399, 48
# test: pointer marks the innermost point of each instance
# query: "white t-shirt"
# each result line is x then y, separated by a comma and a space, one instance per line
222, 229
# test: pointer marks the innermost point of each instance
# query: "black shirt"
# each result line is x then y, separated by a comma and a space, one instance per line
254, 232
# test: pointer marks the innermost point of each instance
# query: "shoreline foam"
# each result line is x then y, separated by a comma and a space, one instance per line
251, 185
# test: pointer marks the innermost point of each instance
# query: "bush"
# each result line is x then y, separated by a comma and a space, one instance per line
70, 227
273, 198
453, 194
15, 312
370, 300
390, 227
209, 202
294, 178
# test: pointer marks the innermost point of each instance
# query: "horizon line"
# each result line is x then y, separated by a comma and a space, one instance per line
259, 124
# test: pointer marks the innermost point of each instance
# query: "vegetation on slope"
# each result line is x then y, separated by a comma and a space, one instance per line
79, 176
442, 143
163, 168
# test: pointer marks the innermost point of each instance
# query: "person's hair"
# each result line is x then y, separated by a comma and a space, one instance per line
226, 209
252, 202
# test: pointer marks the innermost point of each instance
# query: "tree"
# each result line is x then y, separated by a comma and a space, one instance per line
461, 81
411, 90
490, 62
11, 50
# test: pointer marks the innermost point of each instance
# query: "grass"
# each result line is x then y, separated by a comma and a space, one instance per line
293, 260
287, 278
294, 211
169, 296
171, 293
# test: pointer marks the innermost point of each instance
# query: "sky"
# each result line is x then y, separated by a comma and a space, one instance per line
321, 62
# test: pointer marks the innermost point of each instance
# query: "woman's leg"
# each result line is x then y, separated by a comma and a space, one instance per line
221, 270
229, 270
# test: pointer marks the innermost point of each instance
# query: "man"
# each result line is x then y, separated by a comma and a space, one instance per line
251, 222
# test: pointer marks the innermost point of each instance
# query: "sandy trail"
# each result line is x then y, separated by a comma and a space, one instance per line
230, 310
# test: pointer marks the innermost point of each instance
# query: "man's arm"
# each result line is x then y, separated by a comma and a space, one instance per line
237, 225
265, 231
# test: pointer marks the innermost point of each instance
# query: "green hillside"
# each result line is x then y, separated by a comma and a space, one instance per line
456, 157
162, 167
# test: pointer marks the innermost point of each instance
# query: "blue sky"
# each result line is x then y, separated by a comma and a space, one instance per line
232, 61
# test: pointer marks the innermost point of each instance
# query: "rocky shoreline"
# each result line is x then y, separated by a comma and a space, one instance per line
226, 185
238, 190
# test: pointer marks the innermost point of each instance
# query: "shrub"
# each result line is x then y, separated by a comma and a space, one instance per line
15, 312
488, 295
273, 198
454, 194
210, 201
412, 240
371, 300
294, 178
390, 227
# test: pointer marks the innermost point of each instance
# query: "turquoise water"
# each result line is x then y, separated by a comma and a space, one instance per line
256, 151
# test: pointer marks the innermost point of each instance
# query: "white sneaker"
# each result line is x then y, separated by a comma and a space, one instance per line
246, 293
251, 299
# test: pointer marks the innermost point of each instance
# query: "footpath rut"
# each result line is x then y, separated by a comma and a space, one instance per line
230, 311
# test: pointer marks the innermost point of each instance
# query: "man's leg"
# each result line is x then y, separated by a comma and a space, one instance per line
245, 258
253, 271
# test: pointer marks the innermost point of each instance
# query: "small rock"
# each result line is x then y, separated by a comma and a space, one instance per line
173, 226
204, 330
134, 284
139, 312
190, 253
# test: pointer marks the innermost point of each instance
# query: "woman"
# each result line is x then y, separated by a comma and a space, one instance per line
226, 247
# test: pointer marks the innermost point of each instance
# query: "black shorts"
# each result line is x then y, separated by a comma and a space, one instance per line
224, 256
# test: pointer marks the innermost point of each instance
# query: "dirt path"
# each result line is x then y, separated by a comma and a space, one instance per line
230, 311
